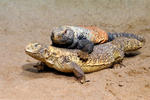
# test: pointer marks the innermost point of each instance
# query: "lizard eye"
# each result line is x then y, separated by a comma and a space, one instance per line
65, 31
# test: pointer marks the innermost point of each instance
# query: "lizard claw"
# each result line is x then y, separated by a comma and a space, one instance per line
83, 80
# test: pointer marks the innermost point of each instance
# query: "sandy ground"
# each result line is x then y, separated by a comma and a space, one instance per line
24, 21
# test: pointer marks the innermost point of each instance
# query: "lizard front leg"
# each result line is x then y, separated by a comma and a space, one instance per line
85, 45
40, 66
77, 72
76, 69
73, 45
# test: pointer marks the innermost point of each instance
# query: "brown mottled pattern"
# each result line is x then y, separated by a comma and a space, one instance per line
99, 35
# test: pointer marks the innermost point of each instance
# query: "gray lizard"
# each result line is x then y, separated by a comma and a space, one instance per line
84, 38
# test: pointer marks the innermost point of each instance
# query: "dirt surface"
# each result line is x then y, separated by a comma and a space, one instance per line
25, 21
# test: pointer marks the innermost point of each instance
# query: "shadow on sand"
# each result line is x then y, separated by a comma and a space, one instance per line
132, 54
30, 69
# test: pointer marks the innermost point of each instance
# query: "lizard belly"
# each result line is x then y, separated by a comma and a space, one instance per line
94, 68
59, 67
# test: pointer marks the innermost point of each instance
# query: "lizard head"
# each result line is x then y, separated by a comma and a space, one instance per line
37, 51
62, 35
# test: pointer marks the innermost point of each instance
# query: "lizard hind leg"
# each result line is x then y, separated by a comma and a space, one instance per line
119, 65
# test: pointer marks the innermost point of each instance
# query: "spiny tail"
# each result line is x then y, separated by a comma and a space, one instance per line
112, 36
127, 44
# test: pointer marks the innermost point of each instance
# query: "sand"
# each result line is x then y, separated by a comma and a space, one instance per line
25, 21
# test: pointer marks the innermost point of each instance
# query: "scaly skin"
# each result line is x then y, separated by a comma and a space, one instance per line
91, 33
84, 38
67, 60
112, 36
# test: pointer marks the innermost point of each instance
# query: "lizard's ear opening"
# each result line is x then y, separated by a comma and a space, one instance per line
45, 53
